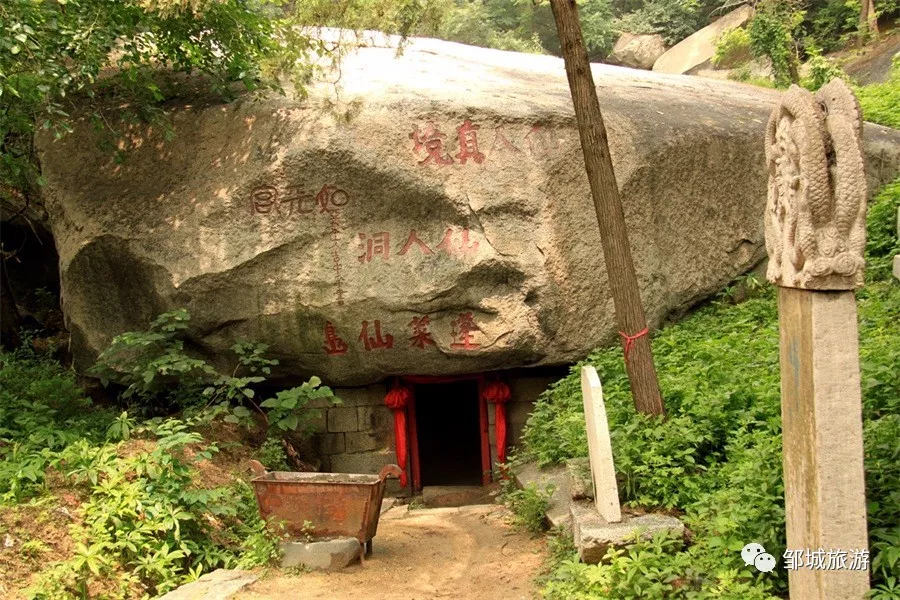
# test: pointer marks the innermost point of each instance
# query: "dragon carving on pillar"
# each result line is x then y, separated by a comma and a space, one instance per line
816, 209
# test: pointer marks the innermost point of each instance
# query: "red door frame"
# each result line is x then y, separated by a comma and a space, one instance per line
415, 465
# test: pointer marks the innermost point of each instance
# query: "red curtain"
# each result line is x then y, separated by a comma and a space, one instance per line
499, 393
397, 400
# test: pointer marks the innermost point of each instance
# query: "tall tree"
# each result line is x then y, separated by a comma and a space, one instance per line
610, 216
868, 21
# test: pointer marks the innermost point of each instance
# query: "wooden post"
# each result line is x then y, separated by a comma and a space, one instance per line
815, 234
610, 216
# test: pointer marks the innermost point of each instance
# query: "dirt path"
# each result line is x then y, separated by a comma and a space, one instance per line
460, 553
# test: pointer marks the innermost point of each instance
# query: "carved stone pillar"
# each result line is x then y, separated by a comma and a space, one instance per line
815, 235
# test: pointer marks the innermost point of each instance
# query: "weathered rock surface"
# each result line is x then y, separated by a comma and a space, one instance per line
221, 584
326, 555
446, 226
594, 536
696, 50
637, 51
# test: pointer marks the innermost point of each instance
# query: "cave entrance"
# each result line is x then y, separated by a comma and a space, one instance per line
449, 434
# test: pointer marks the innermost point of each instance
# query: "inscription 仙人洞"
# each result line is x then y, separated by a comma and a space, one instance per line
378, 245
268, 200
431, 144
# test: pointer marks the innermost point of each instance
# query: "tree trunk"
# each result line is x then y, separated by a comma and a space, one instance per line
873, 18
868, 22
610, 216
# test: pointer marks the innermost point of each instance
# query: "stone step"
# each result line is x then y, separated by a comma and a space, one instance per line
441, 496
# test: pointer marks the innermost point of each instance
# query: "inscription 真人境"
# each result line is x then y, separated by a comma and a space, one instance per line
431, 146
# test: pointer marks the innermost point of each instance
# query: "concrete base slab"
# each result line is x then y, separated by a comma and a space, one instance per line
593, 536
561, 498
327, 555
438, 496
221, 584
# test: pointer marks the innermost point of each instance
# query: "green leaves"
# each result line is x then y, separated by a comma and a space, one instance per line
717, 459
286, 408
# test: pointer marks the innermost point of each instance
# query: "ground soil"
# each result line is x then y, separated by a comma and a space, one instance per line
33, 536
461, 553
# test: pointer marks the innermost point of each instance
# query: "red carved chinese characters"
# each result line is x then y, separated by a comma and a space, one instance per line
462, 329
333, 343
377, 245
414, 239
421, 337
453, 245
468, 143
378, 341
432, 141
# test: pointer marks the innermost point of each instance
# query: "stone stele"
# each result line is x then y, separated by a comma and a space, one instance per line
606, 490
428, 213
816, 211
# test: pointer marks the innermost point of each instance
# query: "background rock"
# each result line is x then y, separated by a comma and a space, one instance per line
637, 51
196, 222
696, 50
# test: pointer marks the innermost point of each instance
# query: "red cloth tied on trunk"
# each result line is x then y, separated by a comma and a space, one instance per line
397, 400
499, 393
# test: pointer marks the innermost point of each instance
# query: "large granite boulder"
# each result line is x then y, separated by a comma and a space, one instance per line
695, 52
427, 214
637, 51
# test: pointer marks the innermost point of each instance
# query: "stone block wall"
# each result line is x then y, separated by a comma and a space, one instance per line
357, 435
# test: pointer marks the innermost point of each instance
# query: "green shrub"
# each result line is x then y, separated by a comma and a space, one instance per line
673, 19
146, 526
528, 504
718, 456
772, 32
881, 101
732, 48
159, 374
821, 71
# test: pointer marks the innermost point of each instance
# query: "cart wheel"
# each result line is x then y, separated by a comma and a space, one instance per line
369, 548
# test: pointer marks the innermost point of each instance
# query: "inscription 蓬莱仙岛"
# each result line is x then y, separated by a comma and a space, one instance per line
374, 336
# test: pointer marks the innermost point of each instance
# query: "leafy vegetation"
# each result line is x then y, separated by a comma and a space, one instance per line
144, 524
159, 375
147, 522
717, 458
881, 101
528, 504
